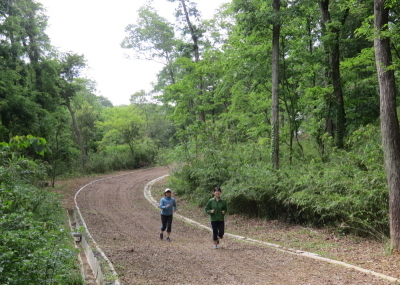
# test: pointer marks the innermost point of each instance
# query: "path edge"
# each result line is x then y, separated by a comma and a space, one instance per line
149, 197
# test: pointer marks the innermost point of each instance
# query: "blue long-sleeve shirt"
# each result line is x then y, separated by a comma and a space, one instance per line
167, 211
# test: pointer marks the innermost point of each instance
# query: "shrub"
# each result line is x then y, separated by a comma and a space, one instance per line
35, 247
345, 188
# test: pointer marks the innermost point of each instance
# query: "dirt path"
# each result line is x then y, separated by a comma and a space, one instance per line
126, 227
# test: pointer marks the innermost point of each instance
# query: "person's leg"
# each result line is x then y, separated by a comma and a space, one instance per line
214, 226
221, 229
169, 225
163, 225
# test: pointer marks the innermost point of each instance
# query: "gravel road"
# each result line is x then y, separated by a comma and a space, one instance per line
126, 227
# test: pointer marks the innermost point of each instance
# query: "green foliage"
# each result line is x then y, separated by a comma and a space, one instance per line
215, 89
121, 125
325, 194
152, 38
347, 190
15, 164
35, 245
22, 143
115, 158
359, 82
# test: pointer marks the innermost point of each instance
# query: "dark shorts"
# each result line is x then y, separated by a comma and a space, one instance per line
166, 223
218, 229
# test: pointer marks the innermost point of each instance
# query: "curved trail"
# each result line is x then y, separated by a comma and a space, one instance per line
126, 226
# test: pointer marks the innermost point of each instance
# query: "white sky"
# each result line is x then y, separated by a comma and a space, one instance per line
95, 28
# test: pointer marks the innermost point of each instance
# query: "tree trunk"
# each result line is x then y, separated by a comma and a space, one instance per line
195, 37
389, 121
77, 131
334, 53
55, 157
275, 86
192, 32
340, 117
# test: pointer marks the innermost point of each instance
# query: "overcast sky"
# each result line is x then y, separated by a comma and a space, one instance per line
95, 28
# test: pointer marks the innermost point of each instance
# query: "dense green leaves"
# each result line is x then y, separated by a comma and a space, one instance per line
212, 106
35, 246
328, 98
152, 37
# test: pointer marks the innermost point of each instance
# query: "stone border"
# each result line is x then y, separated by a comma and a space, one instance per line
91, 258
147, 194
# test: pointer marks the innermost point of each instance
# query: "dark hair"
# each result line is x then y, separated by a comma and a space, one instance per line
217, 189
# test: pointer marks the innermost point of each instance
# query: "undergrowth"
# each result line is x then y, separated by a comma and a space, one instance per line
343, 188
35, 244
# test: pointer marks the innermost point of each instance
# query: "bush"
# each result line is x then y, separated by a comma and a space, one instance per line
35, 247
121, 158
345, 188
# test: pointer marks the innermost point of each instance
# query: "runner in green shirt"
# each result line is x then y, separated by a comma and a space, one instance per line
216, 208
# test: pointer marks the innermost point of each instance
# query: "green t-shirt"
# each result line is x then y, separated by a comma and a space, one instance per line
218, 206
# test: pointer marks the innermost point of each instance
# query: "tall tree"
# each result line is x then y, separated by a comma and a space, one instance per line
87, 108
121, 125
195, 33
71, 66
35, 40
331, 30
276, 4
389, 120
157, 125
153, 38
190, 13
22, 48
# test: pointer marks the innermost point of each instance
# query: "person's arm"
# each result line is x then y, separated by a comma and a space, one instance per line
208, 209
174, 206
161, 206
224, 209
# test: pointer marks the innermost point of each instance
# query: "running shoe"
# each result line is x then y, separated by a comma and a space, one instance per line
168, 239
161, 236
215, 246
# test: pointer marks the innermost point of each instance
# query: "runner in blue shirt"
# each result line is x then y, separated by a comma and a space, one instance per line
168, 207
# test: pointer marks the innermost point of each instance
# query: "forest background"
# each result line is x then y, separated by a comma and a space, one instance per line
287, 126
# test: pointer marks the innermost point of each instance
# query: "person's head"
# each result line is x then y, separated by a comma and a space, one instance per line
217, 192
217, 189
167, 192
